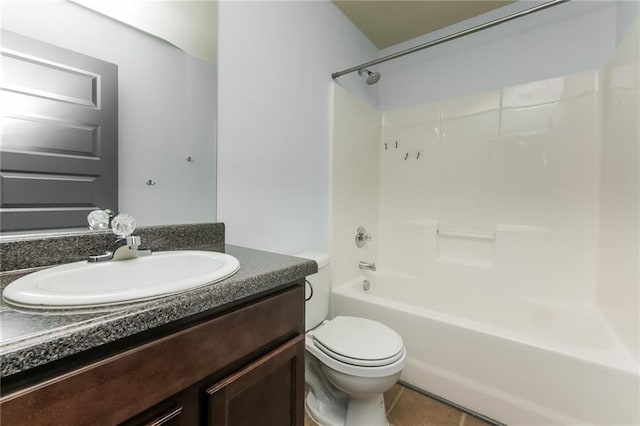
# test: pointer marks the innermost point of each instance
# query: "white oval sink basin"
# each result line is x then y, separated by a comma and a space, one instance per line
84, 284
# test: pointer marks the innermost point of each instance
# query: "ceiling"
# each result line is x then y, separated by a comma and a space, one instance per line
389, 22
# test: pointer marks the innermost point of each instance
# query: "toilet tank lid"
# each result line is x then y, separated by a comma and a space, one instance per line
321, 258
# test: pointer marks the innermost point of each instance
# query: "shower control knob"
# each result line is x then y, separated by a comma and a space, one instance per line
362, 237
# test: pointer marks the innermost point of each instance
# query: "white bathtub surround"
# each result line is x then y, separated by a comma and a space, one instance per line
357, 134
508, 241
619, 258
499, 190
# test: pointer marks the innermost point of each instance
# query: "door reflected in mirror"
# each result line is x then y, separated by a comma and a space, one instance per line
165, 118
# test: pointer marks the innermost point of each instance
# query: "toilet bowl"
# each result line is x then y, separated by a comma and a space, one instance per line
350, 362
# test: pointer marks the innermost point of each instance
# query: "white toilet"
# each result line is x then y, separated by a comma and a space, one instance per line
350, 361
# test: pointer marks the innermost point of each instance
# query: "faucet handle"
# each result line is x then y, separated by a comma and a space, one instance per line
98, 219
362, 237
123, 225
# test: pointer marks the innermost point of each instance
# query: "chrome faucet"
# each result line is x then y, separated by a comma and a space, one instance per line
366, 265
125, 247
122, 249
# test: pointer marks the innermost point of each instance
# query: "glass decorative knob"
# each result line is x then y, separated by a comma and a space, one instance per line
123, 225
98, 219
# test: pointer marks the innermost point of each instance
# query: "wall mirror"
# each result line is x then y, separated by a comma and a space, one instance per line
164, 59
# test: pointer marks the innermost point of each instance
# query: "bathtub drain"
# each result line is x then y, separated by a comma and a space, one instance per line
366, 285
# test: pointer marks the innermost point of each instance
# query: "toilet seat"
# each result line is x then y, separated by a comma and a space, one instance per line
355, 370
359, 341
357, 346
357, 361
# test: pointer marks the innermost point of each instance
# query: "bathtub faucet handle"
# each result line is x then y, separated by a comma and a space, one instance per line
362, 237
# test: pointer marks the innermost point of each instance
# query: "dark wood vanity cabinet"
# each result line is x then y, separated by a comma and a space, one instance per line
244, 367
264, 393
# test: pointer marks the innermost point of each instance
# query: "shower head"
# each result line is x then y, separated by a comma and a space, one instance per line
372, 77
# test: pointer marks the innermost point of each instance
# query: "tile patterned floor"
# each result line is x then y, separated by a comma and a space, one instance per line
406, 407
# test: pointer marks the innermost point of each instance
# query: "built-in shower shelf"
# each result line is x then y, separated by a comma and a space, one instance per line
465, 234
466, 248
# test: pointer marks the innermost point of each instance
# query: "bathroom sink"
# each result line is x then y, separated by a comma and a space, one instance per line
84, 284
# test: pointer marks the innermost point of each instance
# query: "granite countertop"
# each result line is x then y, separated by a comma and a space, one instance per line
29, 339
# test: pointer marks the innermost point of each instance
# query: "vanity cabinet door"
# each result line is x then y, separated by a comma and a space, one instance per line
267, 392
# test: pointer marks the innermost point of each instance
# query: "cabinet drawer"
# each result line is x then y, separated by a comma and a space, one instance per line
115, 389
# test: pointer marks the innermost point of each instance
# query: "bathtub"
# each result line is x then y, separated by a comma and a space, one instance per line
519, 361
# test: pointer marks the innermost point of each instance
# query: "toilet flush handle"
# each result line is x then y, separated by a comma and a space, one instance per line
307, 298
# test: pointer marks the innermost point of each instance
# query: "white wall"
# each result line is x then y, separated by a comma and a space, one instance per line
568, 38
167, 109
275, 62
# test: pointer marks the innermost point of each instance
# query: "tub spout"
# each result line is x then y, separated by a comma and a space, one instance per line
366, 265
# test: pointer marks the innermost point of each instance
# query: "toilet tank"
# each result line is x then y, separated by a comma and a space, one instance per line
317, 290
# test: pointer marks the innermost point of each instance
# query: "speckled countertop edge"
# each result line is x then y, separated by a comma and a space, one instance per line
259, 272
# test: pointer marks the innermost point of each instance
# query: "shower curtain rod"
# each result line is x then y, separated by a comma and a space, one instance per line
454, 36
